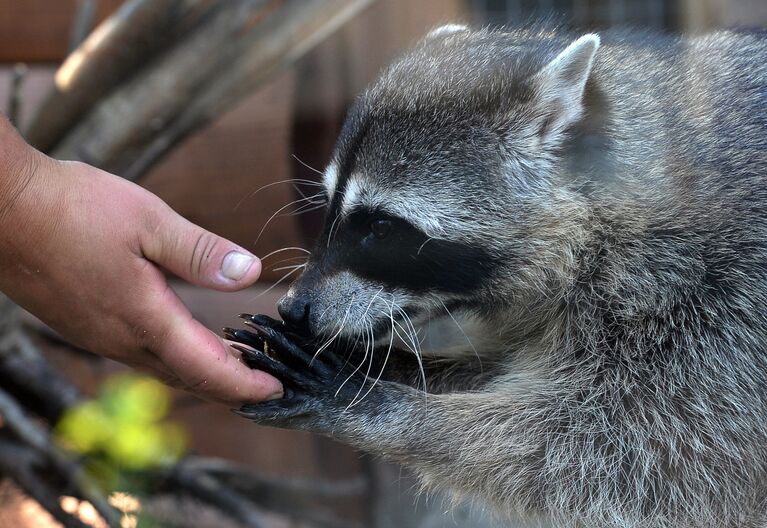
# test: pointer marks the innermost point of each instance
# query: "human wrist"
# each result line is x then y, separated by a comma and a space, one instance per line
19, 166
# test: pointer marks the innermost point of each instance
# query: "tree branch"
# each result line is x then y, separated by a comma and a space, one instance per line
25, 373
47, 457
301, 499
83, 23
19, 462
210, 490
128, 39
225, 59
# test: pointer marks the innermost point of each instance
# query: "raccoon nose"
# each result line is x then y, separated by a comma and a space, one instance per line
295, 312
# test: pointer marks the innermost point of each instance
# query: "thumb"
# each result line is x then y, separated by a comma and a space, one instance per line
199, 256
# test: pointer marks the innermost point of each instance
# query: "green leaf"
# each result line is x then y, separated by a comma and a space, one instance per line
134, 399
85, 427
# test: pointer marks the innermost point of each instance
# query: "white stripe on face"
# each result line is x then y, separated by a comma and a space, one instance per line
330, 179
418, 210
353, 195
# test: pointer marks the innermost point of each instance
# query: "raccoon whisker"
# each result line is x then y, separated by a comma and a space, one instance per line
408, 339
314, 199
272, 184
404, 336
332, 226
418, 356
378, 378
340, 329
275, 215
322, 314
355, 400
413, 349
360, 335
319, 198
413, 333
369, 338
321, 194
460, 328
270, 288
363, 318
307, 209
272, 253
372, 300
299, 191
318, 195
309, 167
297, 266
368, 331
429, 239
370, 364
291, 259
412, 330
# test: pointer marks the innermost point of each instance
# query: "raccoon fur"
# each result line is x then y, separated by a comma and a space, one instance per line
548, 256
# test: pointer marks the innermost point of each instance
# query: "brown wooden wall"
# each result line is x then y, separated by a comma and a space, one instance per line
700, 15
39, 30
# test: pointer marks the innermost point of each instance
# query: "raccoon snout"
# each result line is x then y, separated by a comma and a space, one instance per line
294, 310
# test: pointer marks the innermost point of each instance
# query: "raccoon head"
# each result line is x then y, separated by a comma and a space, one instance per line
443, 207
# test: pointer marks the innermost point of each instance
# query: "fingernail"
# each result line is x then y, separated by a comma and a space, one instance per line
236, 265
276, 396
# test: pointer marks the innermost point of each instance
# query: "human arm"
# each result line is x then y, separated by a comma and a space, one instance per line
84, 250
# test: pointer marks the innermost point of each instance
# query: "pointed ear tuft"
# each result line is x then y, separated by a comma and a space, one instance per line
561, 84
573, 65
447, 29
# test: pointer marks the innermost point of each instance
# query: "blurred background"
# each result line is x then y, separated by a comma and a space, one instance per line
208, 107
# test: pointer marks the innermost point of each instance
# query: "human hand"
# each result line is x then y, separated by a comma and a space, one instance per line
83, 251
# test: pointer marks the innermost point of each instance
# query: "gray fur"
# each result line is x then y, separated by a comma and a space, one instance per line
624, 336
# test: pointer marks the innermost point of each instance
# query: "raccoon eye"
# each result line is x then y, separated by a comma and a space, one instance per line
380, 228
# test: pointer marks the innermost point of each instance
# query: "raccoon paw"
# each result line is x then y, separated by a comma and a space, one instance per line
316, 386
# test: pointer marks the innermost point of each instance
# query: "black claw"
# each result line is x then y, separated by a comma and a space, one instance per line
248, 319
245, 316
241, 412
269, 322
252, 325
260, 361
288, 357
263, 414
265, 320
245, 337
280, 346
286, 347
280, 413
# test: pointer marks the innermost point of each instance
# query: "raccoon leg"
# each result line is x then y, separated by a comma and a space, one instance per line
445, 436
317, 386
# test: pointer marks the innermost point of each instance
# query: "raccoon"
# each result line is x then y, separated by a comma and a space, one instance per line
543, 278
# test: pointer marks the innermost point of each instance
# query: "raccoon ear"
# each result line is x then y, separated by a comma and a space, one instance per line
447, 29
560, 86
